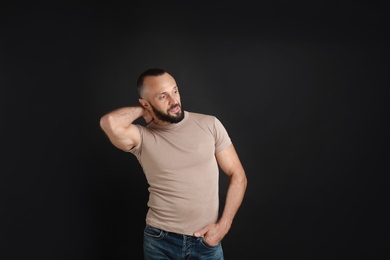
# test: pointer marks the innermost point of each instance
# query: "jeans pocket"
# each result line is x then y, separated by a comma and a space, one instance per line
203, 242
153, 232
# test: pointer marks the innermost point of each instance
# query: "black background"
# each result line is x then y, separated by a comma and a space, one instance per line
300, 86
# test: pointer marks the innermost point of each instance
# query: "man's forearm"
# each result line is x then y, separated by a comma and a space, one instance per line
234, 198
121, 117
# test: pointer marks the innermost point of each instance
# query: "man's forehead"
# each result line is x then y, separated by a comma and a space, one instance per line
157, 87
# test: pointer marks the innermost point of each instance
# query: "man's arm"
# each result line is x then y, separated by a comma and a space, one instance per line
118, 126
230, 164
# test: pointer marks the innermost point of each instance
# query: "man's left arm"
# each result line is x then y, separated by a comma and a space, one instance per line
230, 164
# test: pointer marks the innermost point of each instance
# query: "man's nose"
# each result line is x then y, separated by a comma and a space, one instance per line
172, 100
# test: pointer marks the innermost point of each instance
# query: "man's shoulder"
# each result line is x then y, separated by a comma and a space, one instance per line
202, 118
199, 115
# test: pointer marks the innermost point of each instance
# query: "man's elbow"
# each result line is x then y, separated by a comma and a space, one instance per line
103, 122
106, 122
244, 180
240, 178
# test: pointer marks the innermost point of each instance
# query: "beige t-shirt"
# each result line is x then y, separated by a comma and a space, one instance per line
182, 172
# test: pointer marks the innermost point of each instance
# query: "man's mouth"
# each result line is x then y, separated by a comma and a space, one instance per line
175, 109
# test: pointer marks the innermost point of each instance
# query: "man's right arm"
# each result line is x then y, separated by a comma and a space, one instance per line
118, 126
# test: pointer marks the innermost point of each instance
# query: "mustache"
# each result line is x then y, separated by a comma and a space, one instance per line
173, 106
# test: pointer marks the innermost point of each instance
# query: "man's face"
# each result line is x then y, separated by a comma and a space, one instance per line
164, 98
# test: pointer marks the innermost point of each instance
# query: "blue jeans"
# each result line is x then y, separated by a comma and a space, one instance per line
163, 245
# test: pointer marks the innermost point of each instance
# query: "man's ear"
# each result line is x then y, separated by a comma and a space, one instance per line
144, 103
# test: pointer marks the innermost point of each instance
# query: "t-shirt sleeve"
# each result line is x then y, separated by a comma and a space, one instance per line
222, 139
136, 150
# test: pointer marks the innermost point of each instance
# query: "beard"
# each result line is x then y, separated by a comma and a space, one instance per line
166, 117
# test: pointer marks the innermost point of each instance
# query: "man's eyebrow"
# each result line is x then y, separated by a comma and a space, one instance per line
164, 92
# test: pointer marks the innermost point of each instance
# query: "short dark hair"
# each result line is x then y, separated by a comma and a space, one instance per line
146, 73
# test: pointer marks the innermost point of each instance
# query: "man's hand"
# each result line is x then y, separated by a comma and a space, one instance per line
147, 116
213, 233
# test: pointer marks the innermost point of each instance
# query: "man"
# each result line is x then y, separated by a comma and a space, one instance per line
179, 152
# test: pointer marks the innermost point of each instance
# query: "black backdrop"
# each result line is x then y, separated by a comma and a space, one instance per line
300, 86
